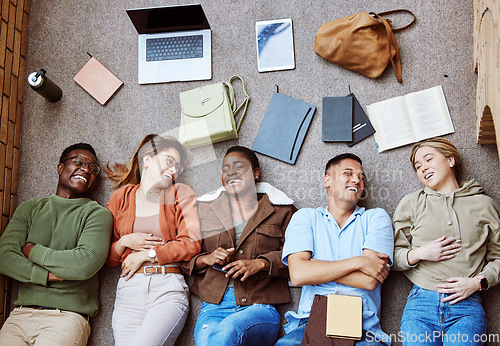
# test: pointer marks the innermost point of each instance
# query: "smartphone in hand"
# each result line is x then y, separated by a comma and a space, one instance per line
219, 267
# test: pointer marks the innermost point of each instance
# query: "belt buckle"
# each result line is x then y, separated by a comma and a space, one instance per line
146, 267
156, 270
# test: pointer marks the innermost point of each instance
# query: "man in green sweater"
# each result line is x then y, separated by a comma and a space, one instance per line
54, 246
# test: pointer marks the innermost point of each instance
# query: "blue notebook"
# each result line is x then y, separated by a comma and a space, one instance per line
337, 119
284, 128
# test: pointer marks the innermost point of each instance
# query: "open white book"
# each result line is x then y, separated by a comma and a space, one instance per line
410, 118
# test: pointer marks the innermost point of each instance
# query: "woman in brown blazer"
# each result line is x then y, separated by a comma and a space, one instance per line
239, 274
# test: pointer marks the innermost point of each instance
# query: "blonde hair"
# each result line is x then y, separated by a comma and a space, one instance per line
445, 147
151, 145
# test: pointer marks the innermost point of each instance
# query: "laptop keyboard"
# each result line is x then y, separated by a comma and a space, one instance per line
171, 48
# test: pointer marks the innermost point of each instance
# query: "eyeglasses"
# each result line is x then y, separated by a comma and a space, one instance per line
171, 163
80, 161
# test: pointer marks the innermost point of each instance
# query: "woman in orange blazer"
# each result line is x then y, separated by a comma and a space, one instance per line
156, 226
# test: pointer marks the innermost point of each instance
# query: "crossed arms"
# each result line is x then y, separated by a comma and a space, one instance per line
78, 263
365, 271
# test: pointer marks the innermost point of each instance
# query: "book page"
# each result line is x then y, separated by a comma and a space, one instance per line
429, 113
391, 121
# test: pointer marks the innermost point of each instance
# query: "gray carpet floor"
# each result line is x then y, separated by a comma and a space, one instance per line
437, 50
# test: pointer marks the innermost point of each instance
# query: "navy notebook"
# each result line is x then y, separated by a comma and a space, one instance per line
337, 119
284, 128
361, 125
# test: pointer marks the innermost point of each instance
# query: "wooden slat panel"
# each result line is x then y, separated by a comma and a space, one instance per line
24, 38
8, 72
9, 154
19, 14
2, 75
13, 50
5, 10
3, 149
15, 174
17, 134
17, 53
13, 204
13, 99
3, 42
1, 207
6, 193
4, 121
11, 24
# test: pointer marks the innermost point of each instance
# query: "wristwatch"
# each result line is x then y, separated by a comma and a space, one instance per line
483, 282
152, 255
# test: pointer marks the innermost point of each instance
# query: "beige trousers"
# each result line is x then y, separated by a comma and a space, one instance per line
27, 326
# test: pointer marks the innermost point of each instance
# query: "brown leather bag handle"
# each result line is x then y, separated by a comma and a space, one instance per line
400, 11
391, 39
392, 43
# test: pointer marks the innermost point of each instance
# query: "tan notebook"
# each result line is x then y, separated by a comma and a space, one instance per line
344, 317
98, 81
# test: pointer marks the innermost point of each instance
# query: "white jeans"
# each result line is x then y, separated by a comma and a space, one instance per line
150, 310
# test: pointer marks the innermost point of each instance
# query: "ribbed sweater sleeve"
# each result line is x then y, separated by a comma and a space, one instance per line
85, 260
13, 263
71, 240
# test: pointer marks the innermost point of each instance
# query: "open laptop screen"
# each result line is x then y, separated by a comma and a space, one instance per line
168, 19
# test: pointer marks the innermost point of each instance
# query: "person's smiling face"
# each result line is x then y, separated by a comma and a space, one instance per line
238, 178
435, 170
162, 169
75, 177
345, 181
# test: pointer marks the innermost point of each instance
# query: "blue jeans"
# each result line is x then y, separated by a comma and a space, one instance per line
428, 321
230, 324
294, 338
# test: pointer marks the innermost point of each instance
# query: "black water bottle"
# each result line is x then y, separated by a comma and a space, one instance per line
44, 86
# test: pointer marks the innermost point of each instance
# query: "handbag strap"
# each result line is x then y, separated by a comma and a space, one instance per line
392, 43
232, 100
400, 11
391, 39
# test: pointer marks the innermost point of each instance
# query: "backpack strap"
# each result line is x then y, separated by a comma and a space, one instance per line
232, 100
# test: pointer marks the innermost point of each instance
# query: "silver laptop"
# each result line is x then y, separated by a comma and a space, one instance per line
174, 43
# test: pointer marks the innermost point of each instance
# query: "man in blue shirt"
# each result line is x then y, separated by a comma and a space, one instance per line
341, 249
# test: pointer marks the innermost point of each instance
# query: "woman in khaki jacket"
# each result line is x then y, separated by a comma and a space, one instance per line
239, 274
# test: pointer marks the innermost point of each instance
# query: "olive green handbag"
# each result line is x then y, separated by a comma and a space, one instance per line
208, 114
